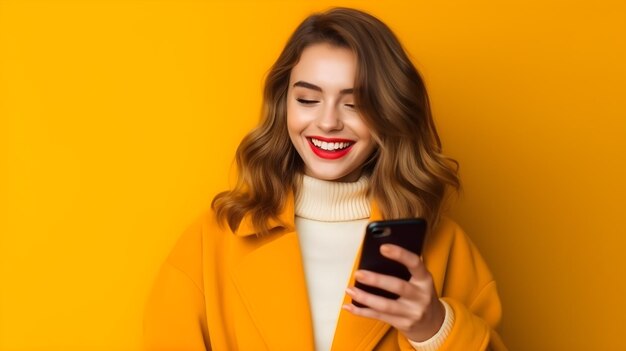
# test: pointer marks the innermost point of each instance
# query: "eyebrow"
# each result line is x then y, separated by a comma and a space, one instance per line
307, 85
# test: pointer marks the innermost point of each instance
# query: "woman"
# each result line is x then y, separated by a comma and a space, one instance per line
346, 137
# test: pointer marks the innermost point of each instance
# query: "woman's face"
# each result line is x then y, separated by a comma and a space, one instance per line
324, 126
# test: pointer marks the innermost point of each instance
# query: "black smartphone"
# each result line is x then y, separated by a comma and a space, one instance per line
408, 233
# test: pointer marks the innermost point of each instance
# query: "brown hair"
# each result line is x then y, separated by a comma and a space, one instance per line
408, 173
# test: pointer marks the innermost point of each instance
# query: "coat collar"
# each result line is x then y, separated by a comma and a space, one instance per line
285, 220
271, 282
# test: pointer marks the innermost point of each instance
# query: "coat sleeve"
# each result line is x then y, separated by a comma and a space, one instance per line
471, 329
465, 282
175, 312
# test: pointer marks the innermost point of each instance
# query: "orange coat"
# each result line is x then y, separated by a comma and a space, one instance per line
221, 290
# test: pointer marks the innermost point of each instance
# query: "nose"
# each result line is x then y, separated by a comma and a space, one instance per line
329, 119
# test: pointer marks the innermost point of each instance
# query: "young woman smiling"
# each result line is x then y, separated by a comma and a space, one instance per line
346, 137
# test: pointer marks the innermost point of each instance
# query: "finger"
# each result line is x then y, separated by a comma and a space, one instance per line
377, 303
413, 262
399, 322
389, 283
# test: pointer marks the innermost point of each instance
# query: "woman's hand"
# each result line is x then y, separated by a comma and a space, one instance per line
417, 312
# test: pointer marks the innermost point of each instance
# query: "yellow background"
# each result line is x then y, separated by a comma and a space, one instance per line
119, 121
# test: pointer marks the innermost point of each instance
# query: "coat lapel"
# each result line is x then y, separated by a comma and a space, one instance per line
269, 278
354, 332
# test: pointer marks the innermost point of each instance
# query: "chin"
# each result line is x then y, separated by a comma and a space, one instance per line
332, 176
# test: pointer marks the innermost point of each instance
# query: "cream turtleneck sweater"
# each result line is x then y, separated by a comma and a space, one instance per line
330, 221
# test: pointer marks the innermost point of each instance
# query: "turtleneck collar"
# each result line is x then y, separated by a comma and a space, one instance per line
331, 201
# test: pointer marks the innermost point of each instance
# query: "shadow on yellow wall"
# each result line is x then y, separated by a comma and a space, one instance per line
119, 121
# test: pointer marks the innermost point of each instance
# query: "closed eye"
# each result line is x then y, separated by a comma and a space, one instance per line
307, 102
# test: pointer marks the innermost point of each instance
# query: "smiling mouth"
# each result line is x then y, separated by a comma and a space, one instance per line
331, 145
330, 149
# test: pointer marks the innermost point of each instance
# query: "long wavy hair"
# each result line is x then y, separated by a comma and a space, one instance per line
409, 175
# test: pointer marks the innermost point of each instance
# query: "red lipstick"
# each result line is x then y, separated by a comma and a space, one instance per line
328, 154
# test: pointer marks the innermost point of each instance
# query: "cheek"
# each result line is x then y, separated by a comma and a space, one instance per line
365, 136
291, 120
295, 128
297, 121
362, 131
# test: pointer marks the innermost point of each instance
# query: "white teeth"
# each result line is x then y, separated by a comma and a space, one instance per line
329, 146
